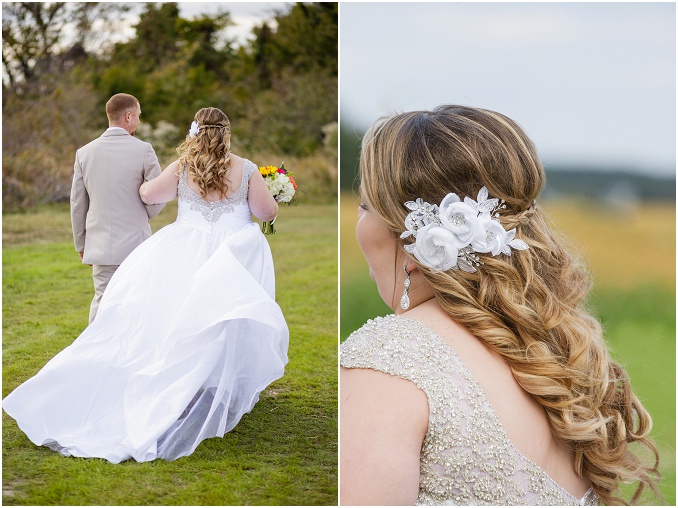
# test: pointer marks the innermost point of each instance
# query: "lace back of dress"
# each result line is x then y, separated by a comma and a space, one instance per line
212, 211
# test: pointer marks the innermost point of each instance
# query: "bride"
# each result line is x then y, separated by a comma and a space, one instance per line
491, 384
188, 332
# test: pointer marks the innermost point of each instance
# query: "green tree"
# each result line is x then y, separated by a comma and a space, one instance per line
206, 45
307, 37
35, 51
30, 32
172, 65
280, 90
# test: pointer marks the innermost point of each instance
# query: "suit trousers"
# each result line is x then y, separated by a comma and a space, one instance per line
102, 275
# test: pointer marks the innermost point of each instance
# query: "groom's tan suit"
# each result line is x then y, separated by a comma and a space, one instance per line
108, 217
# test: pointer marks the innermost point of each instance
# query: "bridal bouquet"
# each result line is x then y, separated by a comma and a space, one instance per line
281, 185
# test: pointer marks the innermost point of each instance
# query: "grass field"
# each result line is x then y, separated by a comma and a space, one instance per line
283, 453
632, 258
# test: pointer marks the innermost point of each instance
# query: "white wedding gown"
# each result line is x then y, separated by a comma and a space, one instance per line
186, 337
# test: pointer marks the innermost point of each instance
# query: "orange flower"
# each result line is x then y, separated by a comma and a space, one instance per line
294, 184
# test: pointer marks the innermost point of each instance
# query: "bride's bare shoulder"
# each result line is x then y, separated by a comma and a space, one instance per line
372, 394
383, 424
236, 160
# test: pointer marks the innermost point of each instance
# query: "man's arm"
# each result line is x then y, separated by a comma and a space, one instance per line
79, 207
152, 170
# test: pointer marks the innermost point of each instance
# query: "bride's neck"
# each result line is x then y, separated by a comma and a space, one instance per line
419, 293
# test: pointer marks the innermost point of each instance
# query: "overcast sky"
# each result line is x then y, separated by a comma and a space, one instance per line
589, 82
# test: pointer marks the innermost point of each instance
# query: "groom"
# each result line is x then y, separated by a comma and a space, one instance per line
108, 217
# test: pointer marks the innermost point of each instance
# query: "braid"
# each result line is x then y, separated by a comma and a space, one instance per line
519, 219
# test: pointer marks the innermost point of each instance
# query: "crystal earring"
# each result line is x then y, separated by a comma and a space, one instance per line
405, 300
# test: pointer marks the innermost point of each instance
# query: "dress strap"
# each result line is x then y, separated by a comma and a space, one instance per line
248, 169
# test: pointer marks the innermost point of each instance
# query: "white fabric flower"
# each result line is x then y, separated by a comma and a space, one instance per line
436, 246
461, 219
451, 235
493, 237
194, 129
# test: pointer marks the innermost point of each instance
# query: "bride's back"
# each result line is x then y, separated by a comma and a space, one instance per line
232, 180
520, 415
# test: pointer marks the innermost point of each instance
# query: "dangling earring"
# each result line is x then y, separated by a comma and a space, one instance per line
405, 300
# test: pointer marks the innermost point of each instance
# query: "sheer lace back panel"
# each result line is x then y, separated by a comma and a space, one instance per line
466, 456
229, 213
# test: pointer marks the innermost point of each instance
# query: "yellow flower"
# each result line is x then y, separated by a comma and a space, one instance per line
267, 170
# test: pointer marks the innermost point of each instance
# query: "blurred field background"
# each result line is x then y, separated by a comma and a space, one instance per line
632, 258
278, 85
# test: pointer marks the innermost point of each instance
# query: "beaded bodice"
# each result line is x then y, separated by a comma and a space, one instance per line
213, 210
466, 457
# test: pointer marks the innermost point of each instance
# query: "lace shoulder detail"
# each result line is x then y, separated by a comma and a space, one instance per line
213, 210
248, 169
466, 456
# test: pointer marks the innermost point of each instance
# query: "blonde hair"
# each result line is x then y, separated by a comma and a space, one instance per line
120, 104
208, 154
528, 307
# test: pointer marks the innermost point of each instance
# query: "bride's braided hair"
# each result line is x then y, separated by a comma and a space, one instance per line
208, 154
528, 307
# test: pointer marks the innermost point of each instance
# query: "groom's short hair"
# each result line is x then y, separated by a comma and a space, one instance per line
120, 104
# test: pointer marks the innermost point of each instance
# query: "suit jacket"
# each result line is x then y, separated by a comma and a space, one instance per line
108, 217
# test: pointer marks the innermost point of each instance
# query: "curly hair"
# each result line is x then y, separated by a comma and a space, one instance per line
208, 154
527, 307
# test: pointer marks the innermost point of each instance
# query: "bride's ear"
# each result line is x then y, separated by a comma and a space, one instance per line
410, 266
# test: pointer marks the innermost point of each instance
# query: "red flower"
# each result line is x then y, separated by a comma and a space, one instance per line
281, 170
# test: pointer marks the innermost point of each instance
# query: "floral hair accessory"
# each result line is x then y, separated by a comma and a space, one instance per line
452, 234
194, 129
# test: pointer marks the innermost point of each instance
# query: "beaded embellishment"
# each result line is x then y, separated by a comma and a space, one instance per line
213, 210
466, 456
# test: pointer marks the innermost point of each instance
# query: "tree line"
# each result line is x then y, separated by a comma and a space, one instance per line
602, 184
61, 64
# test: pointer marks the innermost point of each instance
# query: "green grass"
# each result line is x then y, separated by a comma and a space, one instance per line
640, 329
282, 453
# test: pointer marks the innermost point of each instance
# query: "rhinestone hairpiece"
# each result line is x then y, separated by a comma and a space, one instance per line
452, 234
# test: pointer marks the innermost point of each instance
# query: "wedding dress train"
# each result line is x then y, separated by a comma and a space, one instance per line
186, 337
